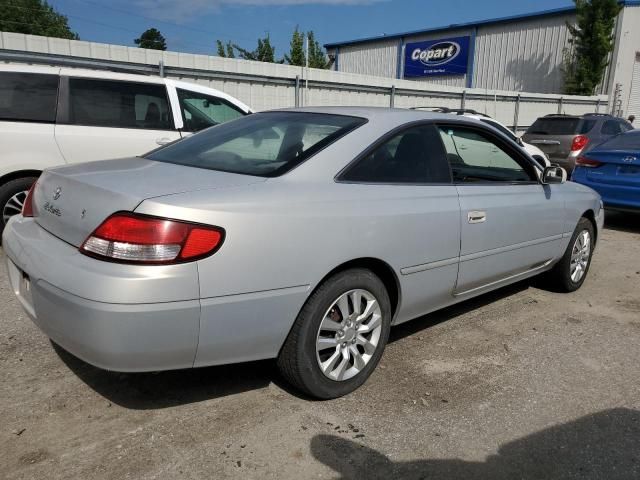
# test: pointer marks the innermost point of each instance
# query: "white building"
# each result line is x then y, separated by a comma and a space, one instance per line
522, 53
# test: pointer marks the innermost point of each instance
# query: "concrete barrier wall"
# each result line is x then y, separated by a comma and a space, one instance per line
267, 85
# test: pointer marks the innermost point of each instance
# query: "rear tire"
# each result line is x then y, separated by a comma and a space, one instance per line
12, 196
333, 347
570, 272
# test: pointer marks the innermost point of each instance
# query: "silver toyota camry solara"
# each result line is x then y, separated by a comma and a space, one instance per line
301, 235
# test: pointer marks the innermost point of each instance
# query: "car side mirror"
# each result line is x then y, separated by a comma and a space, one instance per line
553, 175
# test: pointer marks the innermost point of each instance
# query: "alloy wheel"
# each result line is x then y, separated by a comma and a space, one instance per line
580, 254
13, 206
349, 335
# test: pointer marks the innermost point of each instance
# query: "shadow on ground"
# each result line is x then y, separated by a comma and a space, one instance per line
622, 221
605, 445
141, 391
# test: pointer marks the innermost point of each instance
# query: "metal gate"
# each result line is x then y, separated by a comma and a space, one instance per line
634, 97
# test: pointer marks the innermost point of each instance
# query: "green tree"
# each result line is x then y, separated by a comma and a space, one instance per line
317, 57
265, 52
34, 17
592, 40
151, 39
296, 52
225, 51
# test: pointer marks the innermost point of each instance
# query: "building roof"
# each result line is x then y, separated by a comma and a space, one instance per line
456, 26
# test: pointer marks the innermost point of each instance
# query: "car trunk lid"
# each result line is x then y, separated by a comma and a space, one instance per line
72, 201
618, 168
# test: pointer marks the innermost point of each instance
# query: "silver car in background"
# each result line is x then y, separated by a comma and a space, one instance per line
301, 235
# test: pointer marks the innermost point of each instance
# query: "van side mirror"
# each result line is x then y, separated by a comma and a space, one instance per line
553, 175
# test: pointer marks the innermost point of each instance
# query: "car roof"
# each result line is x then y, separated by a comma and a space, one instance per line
399, 115
584, 115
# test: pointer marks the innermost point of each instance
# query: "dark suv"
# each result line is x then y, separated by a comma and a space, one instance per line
564, 137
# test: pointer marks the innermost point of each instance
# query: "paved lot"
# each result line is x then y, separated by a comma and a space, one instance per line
521, 383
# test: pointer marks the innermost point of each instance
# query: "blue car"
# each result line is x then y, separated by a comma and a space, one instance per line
613, 170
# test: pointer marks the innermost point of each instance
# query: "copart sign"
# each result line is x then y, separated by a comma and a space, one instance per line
448, 56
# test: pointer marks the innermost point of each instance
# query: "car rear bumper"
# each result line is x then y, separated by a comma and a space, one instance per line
119, 336
620, 197
131, 319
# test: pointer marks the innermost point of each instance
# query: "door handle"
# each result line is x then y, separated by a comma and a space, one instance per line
476, 216
163, 141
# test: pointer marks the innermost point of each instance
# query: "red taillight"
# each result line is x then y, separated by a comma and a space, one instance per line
579, 142
587, 162
129, 237
27, 206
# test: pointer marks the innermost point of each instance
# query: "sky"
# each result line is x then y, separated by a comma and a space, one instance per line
195, 25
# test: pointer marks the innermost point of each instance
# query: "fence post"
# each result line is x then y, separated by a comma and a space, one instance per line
463, 99
161, 68
598, 106
297, 91
560, 105
392, 100
516, 115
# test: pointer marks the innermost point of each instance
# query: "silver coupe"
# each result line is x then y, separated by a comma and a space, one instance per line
300, 234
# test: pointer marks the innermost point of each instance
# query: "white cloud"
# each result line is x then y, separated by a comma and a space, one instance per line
181, 10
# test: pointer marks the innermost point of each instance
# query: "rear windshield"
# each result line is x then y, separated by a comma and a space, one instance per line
625, 141
263, 144
561, 126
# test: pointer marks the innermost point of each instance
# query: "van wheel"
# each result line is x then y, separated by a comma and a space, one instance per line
339, 335
571, 271
12, 197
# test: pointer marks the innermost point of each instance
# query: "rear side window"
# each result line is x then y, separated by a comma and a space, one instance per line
415, 155
555, 126
586, 126
263, 144
28, 97
200, 111
104, 103
628, 141
626, 126
611, 127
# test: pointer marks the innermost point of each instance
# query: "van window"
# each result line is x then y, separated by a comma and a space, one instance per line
105, 103
201, 111
28, 97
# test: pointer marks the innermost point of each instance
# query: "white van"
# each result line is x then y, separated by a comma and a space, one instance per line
55, 115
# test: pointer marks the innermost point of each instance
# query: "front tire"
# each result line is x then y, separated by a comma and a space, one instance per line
12, 197
339, 335
571, 271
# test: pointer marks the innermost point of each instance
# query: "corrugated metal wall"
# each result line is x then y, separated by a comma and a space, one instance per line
525, 55
522, 56
379, 57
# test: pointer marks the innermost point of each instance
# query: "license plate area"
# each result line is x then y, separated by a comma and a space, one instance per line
629, 170
21, 286
25, 288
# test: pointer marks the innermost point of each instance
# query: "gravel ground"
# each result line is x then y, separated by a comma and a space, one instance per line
521, 383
